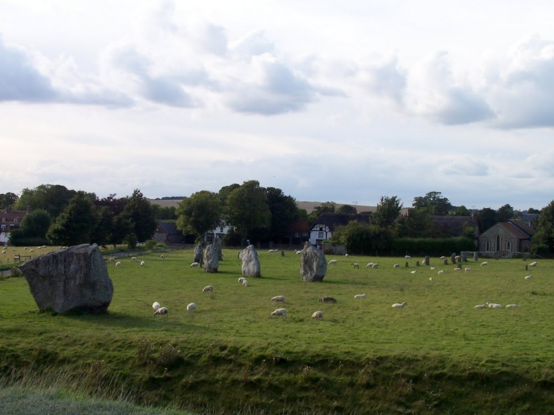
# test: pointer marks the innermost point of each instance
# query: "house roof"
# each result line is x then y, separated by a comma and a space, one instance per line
523, 226
454, 224
169, 228
299, 226
333, 220
11, 215
514, 229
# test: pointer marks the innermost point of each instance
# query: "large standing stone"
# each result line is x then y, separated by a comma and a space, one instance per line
250, 262
313, 265
218, 244
211, 256
72, 279
198, 254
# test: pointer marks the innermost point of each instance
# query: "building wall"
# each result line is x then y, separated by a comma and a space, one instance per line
499, 239
319, 233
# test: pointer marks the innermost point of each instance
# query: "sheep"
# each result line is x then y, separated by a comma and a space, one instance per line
360, 296
346, 255
279, 312
432, 268
241, 279
208, 288
528, 277
443, 257
191, 307
195, 264
298, 252
156, 305
479, 306
408, 257
327, 300
118, 264
467, 270
533, 264
134, 258
245, 283
457, 269
431, 279
440, 271
333, 261
414, 272
272, 250
161, 311
142, 263
317, 315
369, 265
280, 298
484, 264
375, 265
512, 306
396, 266
31, 250
162, 256
400, 305
356, 265
493, 305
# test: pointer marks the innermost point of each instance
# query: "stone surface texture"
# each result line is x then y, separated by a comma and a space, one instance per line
313, 264
250, 262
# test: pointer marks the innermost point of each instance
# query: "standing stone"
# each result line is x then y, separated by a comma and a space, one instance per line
313, 264
417, 263
218, 244
453, 258
250, 262
475, 256
427, 260
198, 254
72, 279
445, 261
211, 258
464, 256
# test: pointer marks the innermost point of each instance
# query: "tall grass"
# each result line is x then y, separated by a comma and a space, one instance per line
437, 355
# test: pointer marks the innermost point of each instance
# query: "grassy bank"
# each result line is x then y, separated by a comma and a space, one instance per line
437, 355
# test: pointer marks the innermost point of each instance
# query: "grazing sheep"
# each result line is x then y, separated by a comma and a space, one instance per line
241, 279
272, 250
208, 288
443, 257
493, 305
327, 300
195, 264
467, 270
162, 256
356, 265
156, 305
414, 272
432, 268
528, 277
117, 264
134, 258
191, 307
375, 265
369, 265
346, 255
396, 266
440, 271
279, 312
408, 257
359, 296
161, 311
533, 264
484, 264
142, 263
280, 298
457, 269
400, 305
479, 306
512, 306
317, 315
245, 283
298, 252
31, 250
333, 261
431, 279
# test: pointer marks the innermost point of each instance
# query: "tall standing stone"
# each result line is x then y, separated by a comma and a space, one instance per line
198, 254
250, 262
453, 258
211, 255
72, 279
313, 264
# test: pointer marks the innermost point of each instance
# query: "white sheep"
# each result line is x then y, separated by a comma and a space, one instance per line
479, 306
280, 298
468, 270
512, 306
493, 305
191, 307
279, 312
528, 277
118, 264
443, 257
317, 315
142, 263
156, 305
533, 264
432, 268
161, 311
484, 264
333, 261
208, 288
414, 272
195, 264
241, 279
431, 279
346, 255
245, 283
400, 305
31, 250
356, 265
162, 256
375, 265
298, 252
440, 271
134, 258
396, 266
369, 265
457, 269
359, 296
408, 257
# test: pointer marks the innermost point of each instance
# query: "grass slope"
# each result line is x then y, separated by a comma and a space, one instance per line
437, 355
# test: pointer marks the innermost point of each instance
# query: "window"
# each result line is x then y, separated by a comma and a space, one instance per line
487, 245
508, 246
320, 235
296, 234
498, 243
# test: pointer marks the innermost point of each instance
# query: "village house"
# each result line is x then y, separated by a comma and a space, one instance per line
508, 237
326, 223
11, 220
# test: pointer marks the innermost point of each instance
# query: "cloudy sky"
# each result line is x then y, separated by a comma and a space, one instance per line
343, 101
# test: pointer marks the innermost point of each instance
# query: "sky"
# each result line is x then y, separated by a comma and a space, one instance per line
329, 101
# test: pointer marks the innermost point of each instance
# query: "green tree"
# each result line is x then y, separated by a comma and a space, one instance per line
36, 224
75, 224
139, 211
487, 218
100, 234
8, 200
199, 213
347, 209
545, 229
164, 212
327, 207
462, 211
505, 213
533, 211
433, 202
51, 197
247, 208
283, 211
388, 210
363, 239
121, 227
417, 224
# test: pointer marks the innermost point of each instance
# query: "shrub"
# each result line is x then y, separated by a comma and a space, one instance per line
161, 246
150, 244
131, 241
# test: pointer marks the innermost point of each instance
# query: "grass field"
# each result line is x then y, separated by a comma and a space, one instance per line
437, 355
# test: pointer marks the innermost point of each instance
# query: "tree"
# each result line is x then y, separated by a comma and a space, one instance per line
36, 224
417, 224
462, 211
51, 197
433, 202
544, 237
283, 211
487, 218
347, 209
164, 212
100, 234
247, 208
327, 207
139, 211
199, 213
75, 224
121, 228
505, 213
363, 239
533, 211
388, 210
7, 200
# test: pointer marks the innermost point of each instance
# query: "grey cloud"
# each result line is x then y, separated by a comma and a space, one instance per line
465, 167
20, 80
252, 44
385, 79
462, 106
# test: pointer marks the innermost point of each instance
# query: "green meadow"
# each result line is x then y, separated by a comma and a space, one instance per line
437, 355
